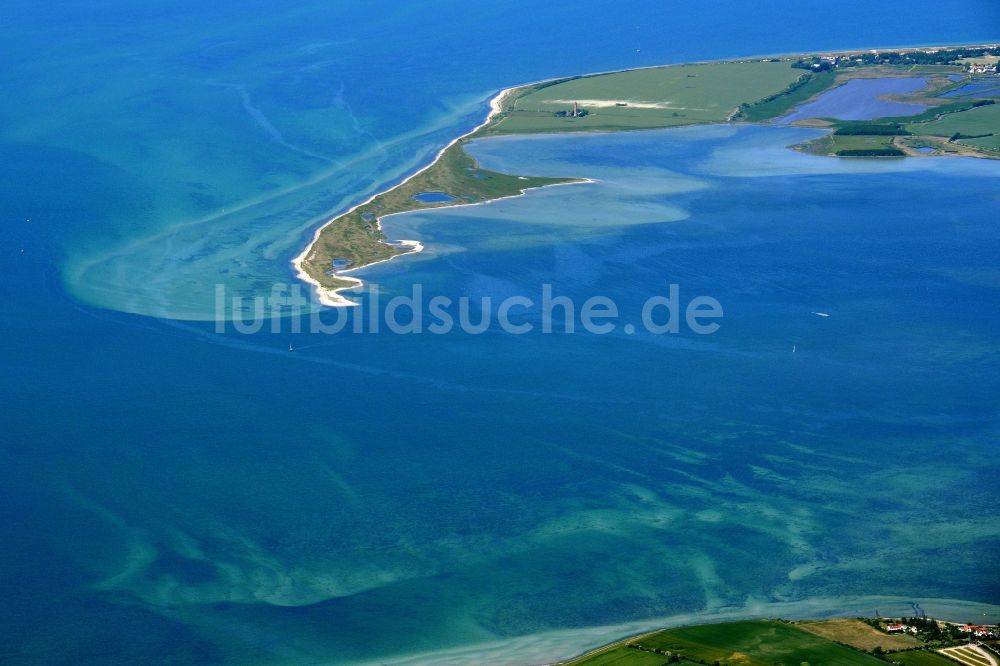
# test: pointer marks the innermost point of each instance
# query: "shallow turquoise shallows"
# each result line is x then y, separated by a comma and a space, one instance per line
173, 490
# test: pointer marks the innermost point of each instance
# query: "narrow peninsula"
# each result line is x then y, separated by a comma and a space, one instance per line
954, 112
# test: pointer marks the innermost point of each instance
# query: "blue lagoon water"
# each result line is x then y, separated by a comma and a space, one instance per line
170, 492
433, 197
988, 89
862, 99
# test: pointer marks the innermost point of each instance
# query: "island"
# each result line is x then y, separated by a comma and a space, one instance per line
945, 107
912, 641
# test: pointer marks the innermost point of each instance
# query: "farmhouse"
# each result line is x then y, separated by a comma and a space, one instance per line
975, 630
898, 628
981, 68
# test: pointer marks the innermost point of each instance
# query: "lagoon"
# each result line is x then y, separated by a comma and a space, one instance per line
862, 99
433, 197
987, 89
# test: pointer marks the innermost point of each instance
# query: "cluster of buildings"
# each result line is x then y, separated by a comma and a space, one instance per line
972, 629
978, 631
900, 628
982, 68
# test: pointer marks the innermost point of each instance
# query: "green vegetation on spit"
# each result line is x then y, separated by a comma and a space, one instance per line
355, 239
754, 90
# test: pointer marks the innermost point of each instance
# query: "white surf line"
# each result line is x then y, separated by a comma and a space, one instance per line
331, 297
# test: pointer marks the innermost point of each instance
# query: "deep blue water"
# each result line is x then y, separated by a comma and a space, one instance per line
169, 493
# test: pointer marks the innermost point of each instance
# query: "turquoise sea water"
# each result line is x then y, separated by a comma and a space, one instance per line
169, 493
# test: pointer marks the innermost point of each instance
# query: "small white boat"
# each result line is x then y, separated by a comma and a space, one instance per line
822, 314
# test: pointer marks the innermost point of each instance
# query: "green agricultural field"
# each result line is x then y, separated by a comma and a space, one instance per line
647, 98
991, 143
920, 658
977, 121
967, 655
623, 655
859, 634
756, 643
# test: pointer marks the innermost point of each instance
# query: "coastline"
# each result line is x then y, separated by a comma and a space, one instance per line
336, 300
331, 297
556, 647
